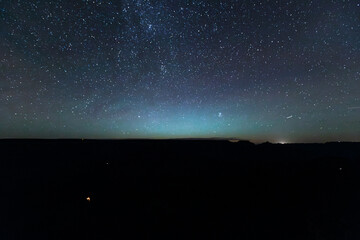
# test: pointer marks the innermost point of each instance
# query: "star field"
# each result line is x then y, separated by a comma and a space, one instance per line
282, 71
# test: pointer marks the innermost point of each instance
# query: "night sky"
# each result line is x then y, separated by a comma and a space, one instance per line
280, 71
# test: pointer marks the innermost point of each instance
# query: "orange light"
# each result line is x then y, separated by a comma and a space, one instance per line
88, 199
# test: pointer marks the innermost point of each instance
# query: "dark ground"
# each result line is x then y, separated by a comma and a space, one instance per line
178, 190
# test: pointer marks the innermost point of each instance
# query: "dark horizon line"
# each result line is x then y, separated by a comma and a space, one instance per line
234, 140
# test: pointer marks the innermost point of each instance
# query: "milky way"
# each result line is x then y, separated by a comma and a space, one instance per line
282, 71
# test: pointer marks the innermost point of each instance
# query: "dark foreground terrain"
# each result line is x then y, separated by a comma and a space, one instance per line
178, 190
